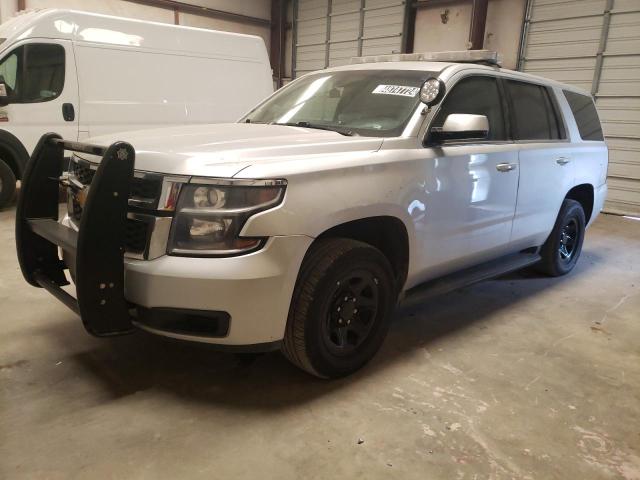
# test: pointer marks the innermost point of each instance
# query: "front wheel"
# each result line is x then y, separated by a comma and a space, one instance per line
341, 308
562, 249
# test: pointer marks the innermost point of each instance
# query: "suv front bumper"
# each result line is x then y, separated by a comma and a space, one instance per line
254, 290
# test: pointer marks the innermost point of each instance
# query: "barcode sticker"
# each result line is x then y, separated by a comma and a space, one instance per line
396, 90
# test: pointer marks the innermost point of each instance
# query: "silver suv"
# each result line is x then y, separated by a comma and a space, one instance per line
303, 225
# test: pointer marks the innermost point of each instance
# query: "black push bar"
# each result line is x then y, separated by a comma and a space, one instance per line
97, 248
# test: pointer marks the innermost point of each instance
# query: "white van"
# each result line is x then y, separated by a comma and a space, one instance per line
82, 74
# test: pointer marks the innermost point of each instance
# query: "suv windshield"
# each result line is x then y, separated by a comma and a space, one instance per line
366, 102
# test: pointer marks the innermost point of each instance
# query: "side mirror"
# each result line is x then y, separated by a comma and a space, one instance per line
461, 126
4, 95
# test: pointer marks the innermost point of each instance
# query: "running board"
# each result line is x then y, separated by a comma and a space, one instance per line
469, 276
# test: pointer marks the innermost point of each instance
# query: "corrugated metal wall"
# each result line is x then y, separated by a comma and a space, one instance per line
595, 44
328, 33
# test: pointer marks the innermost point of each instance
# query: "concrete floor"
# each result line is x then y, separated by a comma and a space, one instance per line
522, 377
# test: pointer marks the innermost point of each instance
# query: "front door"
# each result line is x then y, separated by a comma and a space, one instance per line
472, 185
42, 88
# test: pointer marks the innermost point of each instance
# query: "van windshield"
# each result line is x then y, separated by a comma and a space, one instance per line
365, 102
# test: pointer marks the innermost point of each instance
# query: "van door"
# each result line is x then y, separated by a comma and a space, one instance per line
470, 211
545, 155
42, 91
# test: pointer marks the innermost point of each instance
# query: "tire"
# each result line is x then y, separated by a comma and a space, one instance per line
562, 249
339, 278
7, 184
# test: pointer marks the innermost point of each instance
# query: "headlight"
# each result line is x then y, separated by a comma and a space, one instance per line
209, 218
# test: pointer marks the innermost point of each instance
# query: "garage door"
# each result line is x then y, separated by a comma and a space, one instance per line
329, 33
595, 44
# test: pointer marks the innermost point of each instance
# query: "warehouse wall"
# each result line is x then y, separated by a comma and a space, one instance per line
446, 27
254, 8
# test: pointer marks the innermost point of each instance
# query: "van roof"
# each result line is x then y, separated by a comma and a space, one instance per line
449, 69
95, 28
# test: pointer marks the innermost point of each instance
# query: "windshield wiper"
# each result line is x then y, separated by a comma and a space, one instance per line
341, 131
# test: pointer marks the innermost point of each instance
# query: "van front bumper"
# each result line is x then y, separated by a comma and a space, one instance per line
253, 290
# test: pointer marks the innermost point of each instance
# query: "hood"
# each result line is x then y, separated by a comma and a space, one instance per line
222, 150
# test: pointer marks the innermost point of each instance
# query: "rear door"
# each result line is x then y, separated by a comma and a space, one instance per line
43, 92
546, 161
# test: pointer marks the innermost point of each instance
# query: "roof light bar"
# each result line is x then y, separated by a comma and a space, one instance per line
486, 57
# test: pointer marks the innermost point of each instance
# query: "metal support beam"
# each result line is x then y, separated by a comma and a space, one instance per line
176, 16
409, 28
524, 35
433, 3
327, 52
204, 11
278, 38
604, 36
478, 23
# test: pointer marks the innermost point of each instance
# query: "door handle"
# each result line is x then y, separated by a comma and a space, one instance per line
562, 161
68, 112
505, 167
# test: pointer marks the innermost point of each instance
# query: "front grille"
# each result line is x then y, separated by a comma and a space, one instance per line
83, 173
136, 234
143, 186
146, 188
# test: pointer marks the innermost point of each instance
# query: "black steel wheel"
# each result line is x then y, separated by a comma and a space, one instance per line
351, 312
341, 307
562, 249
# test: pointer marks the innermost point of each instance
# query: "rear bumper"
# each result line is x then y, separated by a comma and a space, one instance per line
254, 290
599, 197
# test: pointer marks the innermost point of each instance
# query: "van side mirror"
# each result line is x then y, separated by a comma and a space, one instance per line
4, 95
461, 126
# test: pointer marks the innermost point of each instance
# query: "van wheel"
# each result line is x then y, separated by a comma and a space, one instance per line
341, 308
562, 249
7, 184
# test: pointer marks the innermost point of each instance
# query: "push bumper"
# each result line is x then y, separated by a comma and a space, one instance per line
98, 246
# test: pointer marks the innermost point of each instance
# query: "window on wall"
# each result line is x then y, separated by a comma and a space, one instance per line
477, 95
534, 116
586, 116
34, 73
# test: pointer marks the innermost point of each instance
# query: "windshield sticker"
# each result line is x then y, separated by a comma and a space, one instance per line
396, 90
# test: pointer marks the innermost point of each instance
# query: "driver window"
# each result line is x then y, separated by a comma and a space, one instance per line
44, 72
34, 73
478, 95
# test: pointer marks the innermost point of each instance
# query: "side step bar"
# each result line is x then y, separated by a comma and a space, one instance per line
98, 246
484, 271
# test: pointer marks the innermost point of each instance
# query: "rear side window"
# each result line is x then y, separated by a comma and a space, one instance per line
34, 73
534, 116
478, 95
586, 116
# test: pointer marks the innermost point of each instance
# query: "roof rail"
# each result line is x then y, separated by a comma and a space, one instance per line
484, 57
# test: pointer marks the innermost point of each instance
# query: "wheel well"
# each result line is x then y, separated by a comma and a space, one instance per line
7, 156
584, 195
387, 234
